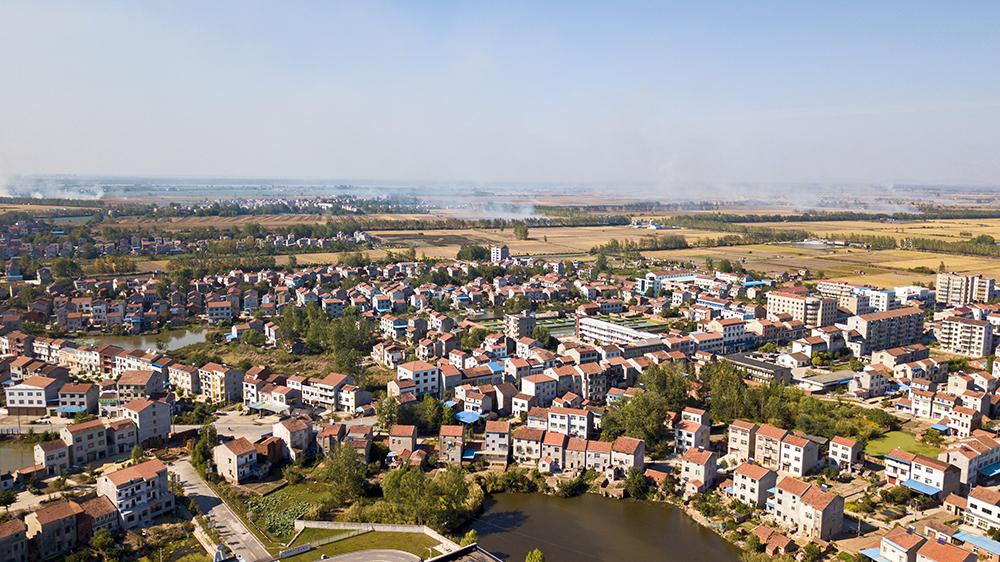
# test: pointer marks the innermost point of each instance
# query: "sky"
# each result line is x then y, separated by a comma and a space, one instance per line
663, 93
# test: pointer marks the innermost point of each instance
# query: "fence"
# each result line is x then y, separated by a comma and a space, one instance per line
336, 525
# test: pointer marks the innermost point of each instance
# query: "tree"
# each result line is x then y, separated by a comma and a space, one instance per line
535, 556
429, 414
641, 417
855, 365
768, 347
138, 455
252, 337
521, 231
83, 416
601, 263
387, 413
293, 262
811, 552
7, 498
753, 543
666, 381
345, 474
541, 333
65, 267
470, 538
635, 483
932, 437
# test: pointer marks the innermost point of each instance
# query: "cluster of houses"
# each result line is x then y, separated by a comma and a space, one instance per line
124, 500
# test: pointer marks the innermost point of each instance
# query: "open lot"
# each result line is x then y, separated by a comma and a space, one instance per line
902, 441
413, 543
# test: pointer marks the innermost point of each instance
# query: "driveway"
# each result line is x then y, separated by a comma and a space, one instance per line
237, 537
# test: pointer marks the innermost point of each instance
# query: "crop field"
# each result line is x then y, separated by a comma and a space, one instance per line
949, 230
174, 224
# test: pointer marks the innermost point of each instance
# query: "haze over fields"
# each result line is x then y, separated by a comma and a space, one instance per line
660, 95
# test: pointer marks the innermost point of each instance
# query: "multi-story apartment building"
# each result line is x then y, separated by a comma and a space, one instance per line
799, 456
220, 383
184, 377
960, 290
136, 384
893, 328
811, 311
698, 471
497, 445
568, 421
140, 493
966, 336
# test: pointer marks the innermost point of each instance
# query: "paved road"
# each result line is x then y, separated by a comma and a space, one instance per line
254, 427
376, 556
236, 535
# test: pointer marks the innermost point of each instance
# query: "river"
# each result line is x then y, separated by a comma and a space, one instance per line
174, 339
594, 528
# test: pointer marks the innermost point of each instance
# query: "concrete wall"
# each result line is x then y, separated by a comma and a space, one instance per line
381, 527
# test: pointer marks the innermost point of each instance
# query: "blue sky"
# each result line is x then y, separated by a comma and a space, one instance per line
659, 92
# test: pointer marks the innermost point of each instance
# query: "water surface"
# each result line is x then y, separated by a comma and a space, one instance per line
592, 528
174, 339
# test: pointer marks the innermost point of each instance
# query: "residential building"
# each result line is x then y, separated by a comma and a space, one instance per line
742, 439
13, 541
966, 336
296, 434
846, 454
497, 444
806, 509
811, 311
698, 471
402, 437
221, 383
235, 460
451, 444
140, 493
799, 456
151, 419
751, 483
53, 529
892, 328
767, 446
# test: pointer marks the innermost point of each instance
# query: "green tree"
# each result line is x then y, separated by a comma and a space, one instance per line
470, 538
83, 416
521, 231
429, 414
7, 498
855, 365
641, 417
535, 556
252, 337
293, 262
635, 483
541, 333
601, 263
932, 437
344, 474
768, 347
138, 455
666, 381
387, 413
753, 543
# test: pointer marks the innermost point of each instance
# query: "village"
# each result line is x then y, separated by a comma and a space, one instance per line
550, 383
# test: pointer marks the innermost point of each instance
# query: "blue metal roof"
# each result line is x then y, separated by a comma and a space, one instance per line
450, 403
981, 542
991, 470
467, 417
469, 455
939, 427
874, 554
921, 488
69, 409
773, 490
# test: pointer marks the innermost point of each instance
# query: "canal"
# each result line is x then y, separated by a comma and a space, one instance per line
594, 528
174, 339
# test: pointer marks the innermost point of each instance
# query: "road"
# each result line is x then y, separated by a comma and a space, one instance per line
253, 427
237, 537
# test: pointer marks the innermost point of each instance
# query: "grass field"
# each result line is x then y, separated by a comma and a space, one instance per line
413, 543
902, 441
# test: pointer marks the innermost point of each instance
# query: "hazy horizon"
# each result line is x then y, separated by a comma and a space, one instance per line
668, 95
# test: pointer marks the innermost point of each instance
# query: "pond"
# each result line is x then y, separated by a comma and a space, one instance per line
174, 339
15, 456
595, 528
